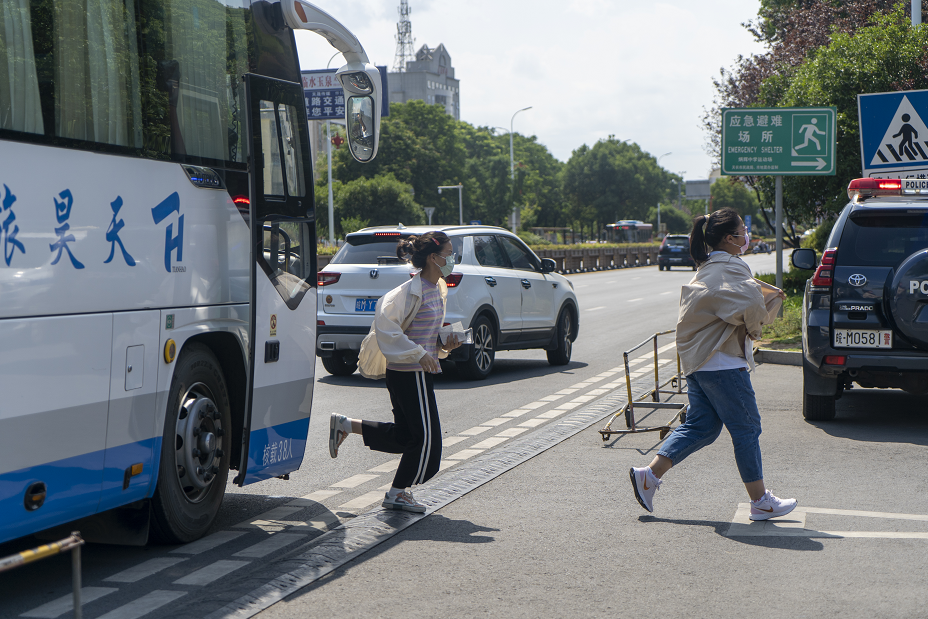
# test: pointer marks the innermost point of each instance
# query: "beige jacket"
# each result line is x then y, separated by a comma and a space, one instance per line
387, 338
720, 307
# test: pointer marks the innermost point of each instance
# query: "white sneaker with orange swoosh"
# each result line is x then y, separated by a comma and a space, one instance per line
769, 506
645, 484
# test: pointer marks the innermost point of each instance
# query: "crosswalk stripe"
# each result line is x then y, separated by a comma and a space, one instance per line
210, 573
489, 442
269, 545
66, 603
386, 467
144, 605
354, 481
207, 543
144, 569
365, 500
314, 497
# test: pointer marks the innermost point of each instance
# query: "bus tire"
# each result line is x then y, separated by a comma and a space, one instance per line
195, 449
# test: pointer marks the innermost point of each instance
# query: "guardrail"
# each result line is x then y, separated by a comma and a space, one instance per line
72, 543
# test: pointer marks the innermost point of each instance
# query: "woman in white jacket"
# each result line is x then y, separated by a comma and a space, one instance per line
403, 346
721, 311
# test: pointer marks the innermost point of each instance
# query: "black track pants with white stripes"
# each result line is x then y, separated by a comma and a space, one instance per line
415, 431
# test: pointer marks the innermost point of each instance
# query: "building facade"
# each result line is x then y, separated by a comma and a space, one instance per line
429, 78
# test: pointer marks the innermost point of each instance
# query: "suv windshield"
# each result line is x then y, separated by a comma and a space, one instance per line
882, 238
678, 241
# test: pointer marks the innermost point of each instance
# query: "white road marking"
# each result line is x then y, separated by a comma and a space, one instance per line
66, 603
551, 414
271, 544
634, 300
487, 443
143, 605
475, 430
354, 481
583, 385
497, 421
551, 398
794, 524
365, 500
517, 413
512, 432
210, 573
386, 467
144, 569
533, 405
531, 423
611, 281
567, 406
446, 464
582, 399
668, 292
464, 454
451, 440
313, 497
595, 309
269, 517
208, 543
599, 391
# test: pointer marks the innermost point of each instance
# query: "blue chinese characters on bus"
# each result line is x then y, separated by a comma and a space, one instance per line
9, 236
62, 213
112, 234
159, 213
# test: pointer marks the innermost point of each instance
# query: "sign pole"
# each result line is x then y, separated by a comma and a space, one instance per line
328, 131
779, 218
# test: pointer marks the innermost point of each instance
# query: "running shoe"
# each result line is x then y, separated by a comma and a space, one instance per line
769, 506
645, 484
405, 501
339, 429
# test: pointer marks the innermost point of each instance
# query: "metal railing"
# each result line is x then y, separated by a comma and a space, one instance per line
676, 383
72, 543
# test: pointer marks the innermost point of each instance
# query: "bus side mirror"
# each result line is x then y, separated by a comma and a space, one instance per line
362, 109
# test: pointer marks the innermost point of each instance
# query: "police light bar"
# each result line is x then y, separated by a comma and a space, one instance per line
862, 188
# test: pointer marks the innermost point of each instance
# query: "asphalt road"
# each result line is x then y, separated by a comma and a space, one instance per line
261, 524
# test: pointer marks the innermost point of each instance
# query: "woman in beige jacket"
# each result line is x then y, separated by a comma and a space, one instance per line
721, 312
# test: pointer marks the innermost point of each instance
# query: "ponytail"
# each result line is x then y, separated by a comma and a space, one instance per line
416, 249
698, 241
718, 225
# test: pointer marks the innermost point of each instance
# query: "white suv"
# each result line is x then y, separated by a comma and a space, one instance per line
499, 287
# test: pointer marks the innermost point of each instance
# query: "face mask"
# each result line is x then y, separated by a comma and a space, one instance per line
448, 266
747, 241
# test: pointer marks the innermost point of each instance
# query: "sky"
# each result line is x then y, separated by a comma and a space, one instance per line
589, 69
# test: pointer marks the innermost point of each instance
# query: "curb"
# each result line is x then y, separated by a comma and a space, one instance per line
779, 357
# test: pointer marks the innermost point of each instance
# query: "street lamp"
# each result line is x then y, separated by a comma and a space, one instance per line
659, 202
328, 132
512, 171
460, 188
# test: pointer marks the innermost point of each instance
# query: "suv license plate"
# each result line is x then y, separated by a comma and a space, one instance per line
862, 338
365, 305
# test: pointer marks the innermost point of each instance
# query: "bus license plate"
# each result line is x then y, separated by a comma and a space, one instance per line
365, 305
863, 338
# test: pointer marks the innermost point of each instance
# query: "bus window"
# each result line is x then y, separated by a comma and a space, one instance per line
270, 139
19, 99
292, 149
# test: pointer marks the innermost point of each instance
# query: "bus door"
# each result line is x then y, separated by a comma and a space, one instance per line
282, 328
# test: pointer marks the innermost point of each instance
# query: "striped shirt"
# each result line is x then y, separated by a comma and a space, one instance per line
424, 327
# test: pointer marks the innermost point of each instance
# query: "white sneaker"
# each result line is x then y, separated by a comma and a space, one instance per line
405, 501
645, 484
769, 506
339, 429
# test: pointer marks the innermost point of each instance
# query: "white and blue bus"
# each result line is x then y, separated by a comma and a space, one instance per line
628, 231
157, 317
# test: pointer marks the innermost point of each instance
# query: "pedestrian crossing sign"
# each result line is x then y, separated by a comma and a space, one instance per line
893, 134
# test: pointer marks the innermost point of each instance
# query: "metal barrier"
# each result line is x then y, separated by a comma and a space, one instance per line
72, 543
675, 382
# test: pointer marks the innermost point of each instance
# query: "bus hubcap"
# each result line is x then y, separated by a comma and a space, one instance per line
198, 442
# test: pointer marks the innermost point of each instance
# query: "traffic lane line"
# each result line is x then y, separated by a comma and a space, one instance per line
65, 604
144, 569
208, 543
210, 573
354, 481
144, 605
273, 543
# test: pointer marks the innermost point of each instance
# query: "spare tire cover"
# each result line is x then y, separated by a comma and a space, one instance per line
906, 297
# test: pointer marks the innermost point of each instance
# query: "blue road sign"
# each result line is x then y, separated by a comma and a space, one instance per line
325, 99
893, 134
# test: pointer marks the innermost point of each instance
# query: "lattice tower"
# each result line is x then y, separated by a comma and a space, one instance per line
404, 40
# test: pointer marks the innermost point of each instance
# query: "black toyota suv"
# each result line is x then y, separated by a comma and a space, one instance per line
865, 310
675, 252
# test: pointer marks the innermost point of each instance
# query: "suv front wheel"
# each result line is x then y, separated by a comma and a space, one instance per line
561, 354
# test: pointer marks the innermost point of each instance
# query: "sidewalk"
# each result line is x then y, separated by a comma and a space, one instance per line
562, 534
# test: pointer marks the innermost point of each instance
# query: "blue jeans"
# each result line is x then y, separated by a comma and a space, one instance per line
716, 399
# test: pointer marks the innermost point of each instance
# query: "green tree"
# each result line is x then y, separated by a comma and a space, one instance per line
730, 192
378, 201
677, 221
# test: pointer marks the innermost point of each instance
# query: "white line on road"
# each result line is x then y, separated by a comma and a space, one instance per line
314, 497
451, 440
270, 516
517, 413
594, 309
633, 300
66, 603
354, 481
475, 430
144, 605
365, 500
210, 573
386, 467
668, 292
531, 423
464, 454
272, 543
144, 569
208, 543
794, 524
487, 443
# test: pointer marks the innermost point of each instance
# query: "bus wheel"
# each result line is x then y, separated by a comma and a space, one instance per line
195, 449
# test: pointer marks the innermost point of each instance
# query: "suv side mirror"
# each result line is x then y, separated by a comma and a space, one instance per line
804, 258
548, 265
